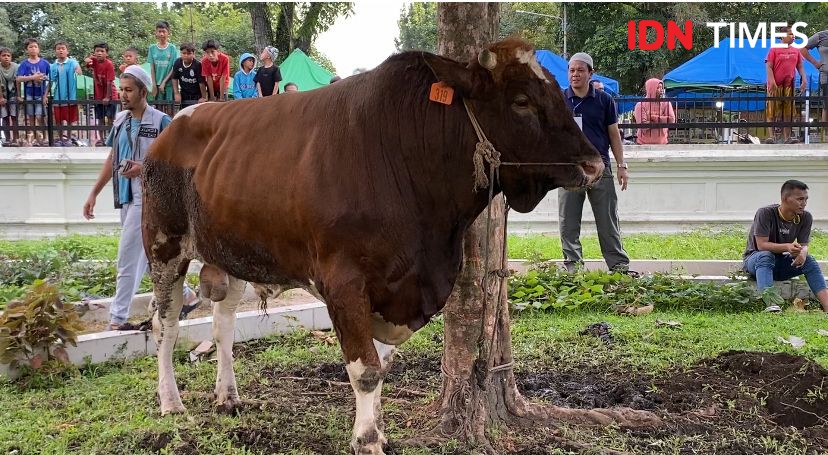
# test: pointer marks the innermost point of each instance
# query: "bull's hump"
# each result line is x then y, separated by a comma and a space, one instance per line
189, 110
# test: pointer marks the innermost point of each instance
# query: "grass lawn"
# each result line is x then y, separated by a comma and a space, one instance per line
700, 244
111, 409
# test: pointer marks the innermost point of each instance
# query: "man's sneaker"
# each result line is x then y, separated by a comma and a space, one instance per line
773, 309
625, 269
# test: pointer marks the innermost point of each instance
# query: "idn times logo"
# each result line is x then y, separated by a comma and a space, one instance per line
738, 32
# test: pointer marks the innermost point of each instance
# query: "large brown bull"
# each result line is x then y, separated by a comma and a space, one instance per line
359, 192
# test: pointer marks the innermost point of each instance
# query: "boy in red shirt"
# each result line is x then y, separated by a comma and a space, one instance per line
215, 67
103, 72
782, 64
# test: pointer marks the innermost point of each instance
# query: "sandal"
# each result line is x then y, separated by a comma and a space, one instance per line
191, 305
124, 326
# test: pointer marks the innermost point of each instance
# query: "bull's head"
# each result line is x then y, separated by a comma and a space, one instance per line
522, 110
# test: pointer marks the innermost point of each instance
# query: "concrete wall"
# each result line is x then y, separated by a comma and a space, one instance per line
42, 192
679, 187
674, 187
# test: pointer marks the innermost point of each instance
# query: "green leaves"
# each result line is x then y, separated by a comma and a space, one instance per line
36, 325
549, 288
418, 27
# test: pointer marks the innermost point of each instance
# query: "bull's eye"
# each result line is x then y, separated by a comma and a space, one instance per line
521, 101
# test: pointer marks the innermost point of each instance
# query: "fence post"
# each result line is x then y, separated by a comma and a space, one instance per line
50, 121
807, 116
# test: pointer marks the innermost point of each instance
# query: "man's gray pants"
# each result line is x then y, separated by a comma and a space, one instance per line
132, 262
604, 202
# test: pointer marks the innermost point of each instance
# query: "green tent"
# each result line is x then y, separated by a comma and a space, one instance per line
303, 71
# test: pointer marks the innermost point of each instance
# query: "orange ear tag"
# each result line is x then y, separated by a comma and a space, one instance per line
441, 93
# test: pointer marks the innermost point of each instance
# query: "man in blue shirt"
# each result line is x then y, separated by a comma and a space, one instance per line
594, 112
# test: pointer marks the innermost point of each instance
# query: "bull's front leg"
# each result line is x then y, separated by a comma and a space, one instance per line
350, 313
386, 355
169, 299
224, 326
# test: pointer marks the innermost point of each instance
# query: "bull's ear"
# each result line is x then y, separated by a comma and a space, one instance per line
456, 75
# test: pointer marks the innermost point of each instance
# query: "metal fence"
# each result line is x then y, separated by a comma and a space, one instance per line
727, 118
64, 123
732, 117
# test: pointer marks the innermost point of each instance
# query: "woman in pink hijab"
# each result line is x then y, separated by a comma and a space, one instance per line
653, 112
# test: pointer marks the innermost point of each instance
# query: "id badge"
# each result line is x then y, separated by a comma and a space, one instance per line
579, 121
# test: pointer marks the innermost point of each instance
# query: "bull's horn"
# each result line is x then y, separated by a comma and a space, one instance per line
487, 59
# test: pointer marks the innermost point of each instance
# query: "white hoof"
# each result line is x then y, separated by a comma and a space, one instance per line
369, 443
172, 409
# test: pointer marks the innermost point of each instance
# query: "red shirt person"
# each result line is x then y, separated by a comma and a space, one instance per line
103, 74
215, 67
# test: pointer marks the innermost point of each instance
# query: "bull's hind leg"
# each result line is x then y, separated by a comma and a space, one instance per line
224, 326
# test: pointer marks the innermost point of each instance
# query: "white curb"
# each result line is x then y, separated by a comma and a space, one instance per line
103, 346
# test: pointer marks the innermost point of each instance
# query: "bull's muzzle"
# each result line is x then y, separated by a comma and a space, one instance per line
593, 170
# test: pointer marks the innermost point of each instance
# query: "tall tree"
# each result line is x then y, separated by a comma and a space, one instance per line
418, 27
297, 24
600, 29
262, 28
7, 34
464, 408
479, 386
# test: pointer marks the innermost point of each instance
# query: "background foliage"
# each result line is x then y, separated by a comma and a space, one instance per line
600, 29
122, 24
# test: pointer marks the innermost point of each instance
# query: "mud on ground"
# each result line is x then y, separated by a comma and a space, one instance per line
737, 403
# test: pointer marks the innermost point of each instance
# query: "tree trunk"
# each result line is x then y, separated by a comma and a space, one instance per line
262, 30
462, 31
479, 386
283, 38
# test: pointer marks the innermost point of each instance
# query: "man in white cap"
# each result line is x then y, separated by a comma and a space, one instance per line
133, 131
595, 113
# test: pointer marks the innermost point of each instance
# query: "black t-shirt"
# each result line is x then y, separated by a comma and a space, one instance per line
189, 78
268, 78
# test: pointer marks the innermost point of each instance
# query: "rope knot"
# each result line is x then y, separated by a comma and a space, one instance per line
484, 150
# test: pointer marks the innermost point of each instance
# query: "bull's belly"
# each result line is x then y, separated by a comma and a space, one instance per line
252, 262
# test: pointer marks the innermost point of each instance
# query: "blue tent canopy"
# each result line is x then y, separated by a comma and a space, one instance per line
556, 65
726, 67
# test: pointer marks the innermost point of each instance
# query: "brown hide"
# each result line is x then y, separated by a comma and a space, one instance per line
365, 183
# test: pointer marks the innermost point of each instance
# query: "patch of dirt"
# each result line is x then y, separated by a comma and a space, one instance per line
735, 404
154, 442
791, 389
588, 389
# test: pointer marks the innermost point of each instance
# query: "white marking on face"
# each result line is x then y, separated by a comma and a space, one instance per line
528, 58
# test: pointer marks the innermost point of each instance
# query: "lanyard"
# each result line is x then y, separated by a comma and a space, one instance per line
134, 142
576, 105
